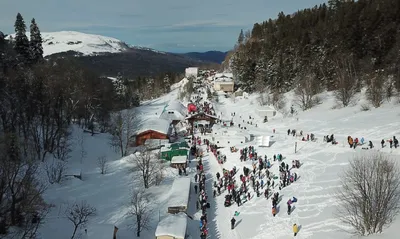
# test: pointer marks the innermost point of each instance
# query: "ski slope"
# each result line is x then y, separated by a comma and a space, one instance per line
315, 189
319, 175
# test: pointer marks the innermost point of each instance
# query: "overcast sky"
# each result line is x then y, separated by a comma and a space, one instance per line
167, 25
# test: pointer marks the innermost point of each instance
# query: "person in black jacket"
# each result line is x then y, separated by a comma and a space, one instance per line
233, 221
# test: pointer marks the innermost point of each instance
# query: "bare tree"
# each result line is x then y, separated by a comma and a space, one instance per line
32, 222
123, 125
305, 91
149, 167
375, 92
55, 171
140, 211
79, 214
103, 164
20, 189
63, 149
278, 100
370, 193
346, 81
264, 97
389, 87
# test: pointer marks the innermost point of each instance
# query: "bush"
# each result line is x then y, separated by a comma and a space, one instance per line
55, 171
370, 193
365, 107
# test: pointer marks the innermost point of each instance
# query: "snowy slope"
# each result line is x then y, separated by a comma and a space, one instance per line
319, 176
87, 44
315, 189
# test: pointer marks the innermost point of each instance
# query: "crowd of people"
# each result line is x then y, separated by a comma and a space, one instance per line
202, 197
253, 182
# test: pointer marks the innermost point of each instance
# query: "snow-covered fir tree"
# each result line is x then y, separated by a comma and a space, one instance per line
21, 42
150, 86
119, 84
167, 83
35, 44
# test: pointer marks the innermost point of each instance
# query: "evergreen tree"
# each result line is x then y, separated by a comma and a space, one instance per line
36, 48
21, 42
241, 37
119, 85
167, 83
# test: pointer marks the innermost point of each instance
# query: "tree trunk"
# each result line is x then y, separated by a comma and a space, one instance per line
138, 229
13, 212
73, 234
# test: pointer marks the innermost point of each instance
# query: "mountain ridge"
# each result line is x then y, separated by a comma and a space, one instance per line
210, 56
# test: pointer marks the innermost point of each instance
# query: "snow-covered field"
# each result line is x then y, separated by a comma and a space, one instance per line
314, 211
87, 44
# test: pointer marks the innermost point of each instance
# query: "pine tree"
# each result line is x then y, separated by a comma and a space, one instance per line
241, 37
167, 83
21, 42
2, 44
36, 48
119, 85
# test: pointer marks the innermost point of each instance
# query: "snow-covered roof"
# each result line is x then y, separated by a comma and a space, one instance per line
180, 191
172, 225
222, 80
225, 74
179, 159
154, 124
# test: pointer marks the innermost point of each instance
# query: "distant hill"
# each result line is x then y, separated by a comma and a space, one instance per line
110, 56
82, 43
209, 56
135, 62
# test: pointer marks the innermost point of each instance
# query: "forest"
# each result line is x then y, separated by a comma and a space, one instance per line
341, 46
39, 101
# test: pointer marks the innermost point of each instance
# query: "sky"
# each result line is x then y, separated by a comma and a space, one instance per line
167, 25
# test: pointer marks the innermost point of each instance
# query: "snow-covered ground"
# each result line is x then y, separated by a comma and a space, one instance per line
319, 175
314, 211
87, 44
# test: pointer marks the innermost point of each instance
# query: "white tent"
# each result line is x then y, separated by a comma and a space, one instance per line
263, 141
266, 111
174, 110
172, 226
